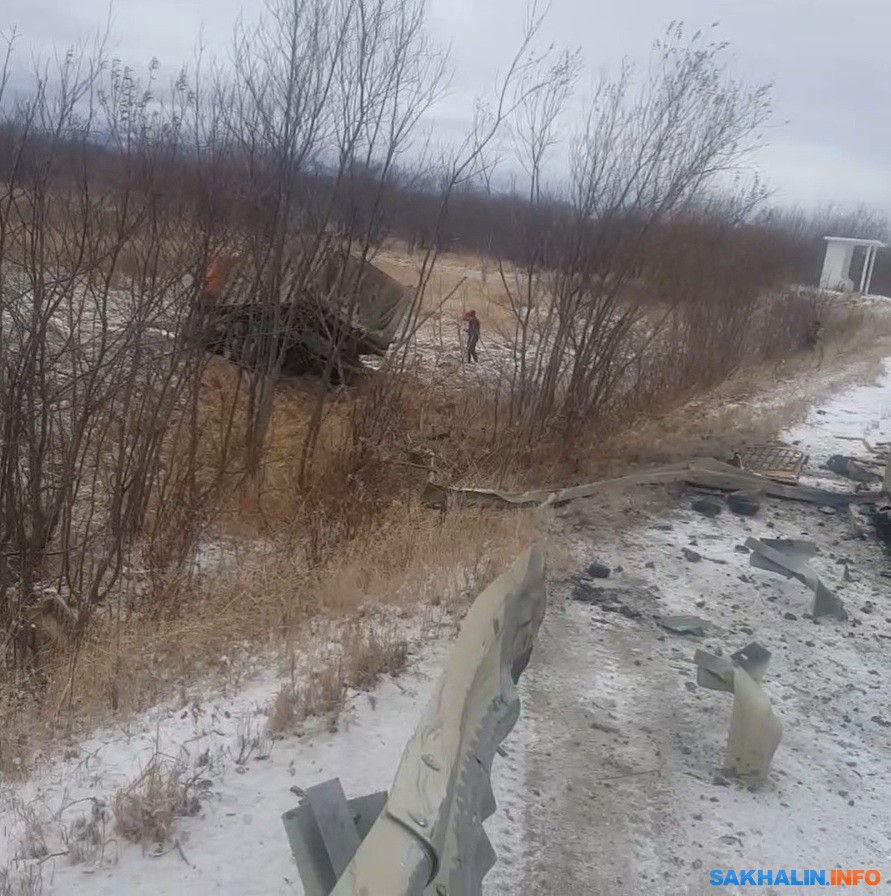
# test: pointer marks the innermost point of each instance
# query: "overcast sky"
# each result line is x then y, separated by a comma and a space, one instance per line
829, 61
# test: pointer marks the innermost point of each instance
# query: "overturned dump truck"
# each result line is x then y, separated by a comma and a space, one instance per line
321, 322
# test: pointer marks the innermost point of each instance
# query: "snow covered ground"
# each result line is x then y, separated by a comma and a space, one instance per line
609, 781
613, 783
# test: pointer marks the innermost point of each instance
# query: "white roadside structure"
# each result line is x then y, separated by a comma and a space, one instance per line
837, 263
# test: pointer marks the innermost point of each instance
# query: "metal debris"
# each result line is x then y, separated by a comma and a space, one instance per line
754, 731
775, 461
706, 473
716, 672
753, 658
430, 837
684, 625
789, 558
713, 672
852, 468
325, 831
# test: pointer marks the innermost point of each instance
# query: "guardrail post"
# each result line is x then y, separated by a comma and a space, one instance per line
325, 831
429, 836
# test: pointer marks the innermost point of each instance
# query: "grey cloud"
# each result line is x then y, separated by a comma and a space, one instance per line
828, 61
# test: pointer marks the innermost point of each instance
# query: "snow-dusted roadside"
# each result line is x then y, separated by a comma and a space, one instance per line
614, 759
608, 782
236, 842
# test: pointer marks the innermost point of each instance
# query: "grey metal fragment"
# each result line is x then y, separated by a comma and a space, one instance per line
713, 672
753, 658
755, 732
429, 838
684, 625
851, 468
790, 559
325, 831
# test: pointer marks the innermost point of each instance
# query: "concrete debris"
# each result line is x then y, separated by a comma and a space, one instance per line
789, 558
744, 503
852, 469
597, 571
691, 556
881, 519
707, 507
684, 625
856, 522
613, 598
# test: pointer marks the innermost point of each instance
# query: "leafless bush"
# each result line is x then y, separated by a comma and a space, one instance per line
320, 696
25, 882
86, 838
93, 281
32, 837
370, 652
252, 739
166, 790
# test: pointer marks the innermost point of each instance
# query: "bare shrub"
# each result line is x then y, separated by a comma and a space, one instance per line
86, 838
370, 652
252, 739
147, 810
320, 696
32, 837
27, 881
366, 651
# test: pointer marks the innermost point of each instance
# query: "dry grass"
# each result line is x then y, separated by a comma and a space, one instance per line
320, 696
32, 837
735, 413
146, 811
460, 281
27, 882
86, 838
367, 652
265, 605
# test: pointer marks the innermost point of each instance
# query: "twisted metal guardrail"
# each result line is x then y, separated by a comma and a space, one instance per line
427, 836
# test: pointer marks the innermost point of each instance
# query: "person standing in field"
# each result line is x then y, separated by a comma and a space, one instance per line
813, 339
473, 336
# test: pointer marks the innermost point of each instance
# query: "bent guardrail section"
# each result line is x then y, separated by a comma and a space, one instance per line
429, 836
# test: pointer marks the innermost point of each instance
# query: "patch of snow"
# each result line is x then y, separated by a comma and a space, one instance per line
237, 843
616, 785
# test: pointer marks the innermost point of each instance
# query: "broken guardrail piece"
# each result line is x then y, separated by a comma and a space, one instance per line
429, 836
753, 658
325, 831
684, 625
716, 672
755, 732
789, 558
703, 472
